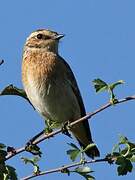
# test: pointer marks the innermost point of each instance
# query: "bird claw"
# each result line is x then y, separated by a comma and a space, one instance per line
33, 148
65, 129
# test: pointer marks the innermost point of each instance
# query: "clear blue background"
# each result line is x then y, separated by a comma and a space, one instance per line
99, 42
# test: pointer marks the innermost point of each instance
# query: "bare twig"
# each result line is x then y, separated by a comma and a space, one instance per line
89, 115
60, 169
17, 151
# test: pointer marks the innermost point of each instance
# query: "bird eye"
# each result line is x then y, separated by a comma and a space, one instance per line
40, 36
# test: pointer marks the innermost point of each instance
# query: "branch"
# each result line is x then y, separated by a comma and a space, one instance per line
60, 169
89, 115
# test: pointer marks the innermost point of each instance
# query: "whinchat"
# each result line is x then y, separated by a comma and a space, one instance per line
51, 85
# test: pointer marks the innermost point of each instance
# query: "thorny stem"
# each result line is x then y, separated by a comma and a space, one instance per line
89, 115
60, 169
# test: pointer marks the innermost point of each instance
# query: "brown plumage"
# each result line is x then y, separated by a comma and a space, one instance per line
51, 86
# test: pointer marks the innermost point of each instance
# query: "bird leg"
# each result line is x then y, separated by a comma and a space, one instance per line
33, 148
65, 129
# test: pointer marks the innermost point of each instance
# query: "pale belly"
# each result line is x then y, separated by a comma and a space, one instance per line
56, 102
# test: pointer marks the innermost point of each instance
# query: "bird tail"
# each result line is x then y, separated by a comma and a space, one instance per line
82, 133
91, 151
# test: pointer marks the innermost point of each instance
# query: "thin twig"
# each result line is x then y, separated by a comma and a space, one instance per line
89, 115
60, 169
17, 151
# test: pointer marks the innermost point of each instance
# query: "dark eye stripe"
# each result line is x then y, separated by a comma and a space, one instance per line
47, 37
41, 36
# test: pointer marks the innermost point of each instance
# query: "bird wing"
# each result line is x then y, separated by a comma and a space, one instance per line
73, 83
84, 129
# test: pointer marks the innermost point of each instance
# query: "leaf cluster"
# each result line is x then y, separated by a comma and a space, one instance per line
101, 86
6, 172
124, 155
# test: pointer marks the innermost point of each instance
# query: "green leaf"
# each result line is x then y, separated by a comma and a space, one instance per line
125, 165
89, 146
34, 149
3, 155
2, 146
84, 171
132, 158
36, 170
32, 161
12, 90
111, 88
113, 85
1, 175
125, 155
73, 153
133, 150
126, 152
100, 85
116, 154
7, 172
115, 147
11, 173
3, 169
123, 140
132, 145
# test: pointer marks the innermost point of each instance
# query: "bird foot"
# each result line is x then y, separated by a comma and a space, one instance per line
65, 129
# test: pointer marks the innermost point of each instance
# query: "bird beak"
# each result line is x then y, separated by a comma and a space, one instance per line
59, 36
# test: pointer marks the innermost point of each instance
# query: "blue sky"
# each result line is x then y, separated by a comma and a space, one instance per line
99, 43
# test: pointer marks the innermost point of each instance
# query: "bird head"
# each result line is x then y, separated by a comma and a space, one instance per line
44, 39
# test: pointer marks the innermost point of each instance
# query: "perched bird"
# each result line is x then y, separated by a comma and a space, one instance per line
51, 86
